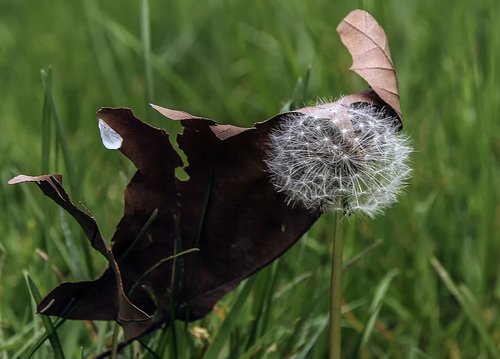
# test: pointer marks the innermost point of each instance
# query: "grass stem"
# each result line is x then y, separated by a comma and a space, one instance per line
114, 341
146, 49
336, 290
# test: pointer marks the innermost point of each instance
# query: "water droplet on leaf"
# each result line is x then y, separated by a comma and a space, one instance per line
110, 138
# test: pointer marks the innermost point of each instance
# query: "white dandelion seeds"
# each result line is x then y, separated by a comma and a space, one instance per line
340, 157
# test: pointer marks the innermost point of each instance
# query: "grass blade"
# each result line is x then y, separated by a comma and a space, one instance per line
120, 34
60, 133
114, 341
39, 342
352, 262
103, 53
158, 264
146, 53
223, 335
139, 235
321, 326
46, 125
2, 337
468, 307
261, 286
299, 92
258, 344
68, 162
47, 322
375, 307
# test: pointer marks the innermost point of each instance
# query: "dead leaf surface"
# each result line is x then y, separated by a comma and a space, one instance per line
368, 45
101, 299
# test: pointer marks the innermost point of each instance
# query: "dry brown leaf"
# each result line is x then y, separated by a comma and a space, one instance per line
103, 299
368, 45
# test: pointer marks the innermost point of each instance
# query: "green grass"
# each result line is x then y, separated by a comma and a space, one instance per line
431, 289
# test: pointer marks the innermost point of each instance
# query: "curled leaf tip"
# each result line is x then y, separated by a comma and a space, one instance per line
37, 179
173, 114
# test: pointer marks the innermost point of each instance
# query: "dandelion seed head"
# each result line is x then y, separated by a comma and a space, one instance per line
339, 157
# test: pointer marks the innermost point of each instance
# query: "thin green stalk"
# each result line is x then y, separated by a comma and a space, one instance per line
468, 307
46, 146
2, 336
158, 264
139, 236
336, 290
354, 260
174, 341
223, 337
46, 125
62, 143
201, 225
146, 50
162, 343
375, 307
59, 127
103, 53
121, 34
174, 288
47, 322
114, 341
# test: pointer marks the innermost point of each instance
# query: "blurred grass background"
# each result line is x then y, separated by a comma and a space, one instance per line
431, 289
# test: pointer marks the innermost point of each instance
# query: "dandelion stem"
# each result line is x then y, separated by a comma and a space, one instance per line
336, 289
